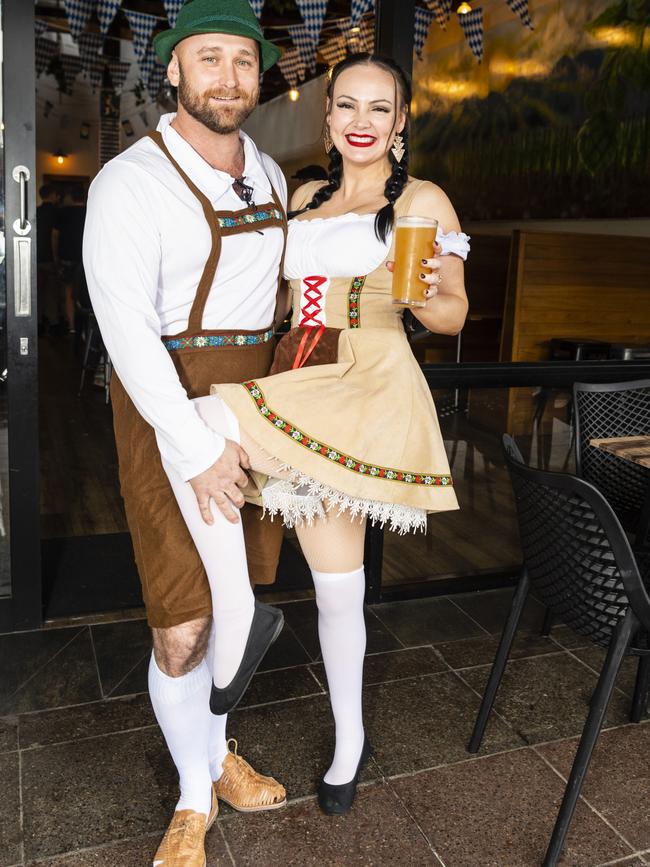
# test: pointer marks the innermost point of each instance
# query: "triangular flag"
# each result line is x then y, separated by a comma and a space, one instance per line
520, 8
146, 64
156, 78
106, 12
472, 24
305, 45
40, 27
291, 66
367, 35
423, 19
313, 12
172, 8
78, 12
71, 68
442, 10
358, 8
142, 26
46, 50
90, 46
257, 5
333, 50
119, 70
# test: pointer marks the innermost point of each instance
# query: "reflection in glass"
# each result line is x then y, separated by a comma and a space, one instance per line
5, 584
482, 536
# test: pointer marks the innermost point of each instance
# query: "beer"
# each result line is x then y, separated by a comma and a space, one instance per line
414, 240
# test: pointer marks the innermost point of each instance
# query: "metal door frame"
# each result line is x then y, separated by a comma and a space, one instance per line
23, 609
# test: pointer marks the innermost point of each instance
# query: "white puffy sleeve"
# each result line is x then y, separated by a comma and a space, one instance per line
454, 242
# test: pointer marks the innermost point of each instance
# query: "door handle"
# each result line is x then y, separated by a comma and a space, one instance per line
21, 175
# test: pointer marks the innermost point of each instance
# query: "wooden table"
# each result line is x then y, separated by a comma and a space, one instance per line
635, 449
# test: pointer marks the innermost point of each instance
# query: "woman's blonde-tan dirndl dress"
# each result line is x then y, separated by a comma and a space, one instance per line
362, 432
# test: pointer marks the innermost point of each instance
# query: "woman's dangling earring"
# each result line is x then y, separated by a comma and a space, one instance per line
327, 139
398, 147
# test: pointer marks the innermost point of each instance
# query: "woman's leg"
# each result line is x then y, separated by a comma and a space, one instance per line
333, 547
222, 550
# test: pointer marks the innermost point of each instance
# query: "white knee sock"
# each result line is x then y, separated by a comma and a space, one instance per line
342, 633
222, 550
181, 705
217, 744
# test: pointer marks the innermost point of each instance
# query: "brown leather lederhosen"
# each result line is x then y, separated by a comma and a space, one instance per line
174, 584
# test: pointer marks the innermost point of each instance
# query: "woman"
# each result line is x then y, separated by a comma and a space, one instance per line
346, 440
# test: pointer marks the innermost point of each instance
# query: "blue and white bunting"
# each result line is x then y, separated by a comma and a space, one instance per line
40, 27
313, 12
119, 70
46, 51
292, 66
172, 8
305, 45
520, 8
367, 35
90, 47
78, 13
472, 24
156, 78
333, 51
257, 5
106, 12
145, 65
358, 9
142, 26
71, 68
442, 10
423, 19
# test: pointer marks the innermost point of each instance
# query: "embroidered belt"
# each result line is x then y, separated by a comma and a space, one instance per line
207, 341
246, 219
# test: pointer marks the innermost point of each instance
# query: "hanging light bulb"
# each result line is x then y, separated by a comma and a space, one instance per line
294, 94
60, 157
464, 8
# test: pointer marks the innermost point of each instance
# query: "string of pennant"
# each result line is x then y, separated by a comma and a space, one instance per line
314, 36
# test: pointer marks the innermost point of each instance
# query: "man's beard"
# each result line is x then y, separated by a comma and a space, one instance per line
222, 119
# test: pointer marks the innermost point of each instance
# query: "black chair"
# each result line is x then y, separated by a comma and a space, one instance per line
615, 410
579, 561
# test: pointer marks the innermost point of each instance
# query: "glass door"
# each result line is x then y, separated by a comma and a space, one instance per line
20, 582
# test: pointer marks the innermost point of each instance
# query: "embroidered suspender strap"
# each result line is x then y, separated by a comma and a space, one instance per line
195, 323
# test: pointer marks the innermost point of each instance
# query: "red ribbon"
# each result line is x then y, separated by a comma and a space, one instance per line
316, 334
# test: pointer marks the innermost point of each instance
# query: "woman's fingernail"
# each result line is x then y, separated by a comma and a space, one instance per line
422, 276
424, 261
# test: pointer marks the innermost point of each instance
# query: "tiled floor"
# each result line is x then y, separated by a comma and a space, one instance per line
85, 778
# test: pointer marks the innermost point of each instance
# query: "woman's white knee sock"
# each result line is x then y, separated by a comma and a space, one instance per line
342, 633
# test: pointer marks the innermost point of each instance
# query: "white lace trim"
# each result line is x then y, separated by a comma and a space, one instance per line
301, 498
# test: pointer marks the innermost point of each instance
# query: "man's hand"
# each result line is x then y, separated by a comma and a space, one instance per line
222, 482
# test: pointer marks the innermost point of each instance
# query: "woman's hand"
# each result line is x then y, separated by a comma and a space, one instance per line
433, 278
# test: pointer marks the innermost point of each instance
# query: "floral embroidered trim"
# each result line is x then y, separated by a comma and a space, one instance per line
204, 341
255, 217
354, 312
350, 463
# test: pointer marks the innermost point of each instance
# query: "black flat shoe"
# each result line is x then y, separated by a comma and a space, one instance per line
265, 628
337, 800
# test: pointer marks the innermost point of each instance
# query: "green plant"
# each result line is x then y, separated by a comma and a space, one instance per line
626, 67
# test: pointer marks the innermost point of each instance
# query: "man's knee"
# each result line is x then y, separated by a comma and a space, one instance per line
181, 648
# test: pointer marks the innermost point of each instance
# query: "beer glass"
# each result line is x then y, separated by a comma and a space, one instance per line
414, 240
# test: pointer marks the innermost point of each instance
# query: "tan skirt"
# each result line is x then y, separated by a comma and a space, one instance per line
362, 432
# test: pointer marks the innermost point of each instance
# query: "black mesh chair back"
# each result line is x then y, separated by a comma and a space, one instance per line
576, 553
613, 410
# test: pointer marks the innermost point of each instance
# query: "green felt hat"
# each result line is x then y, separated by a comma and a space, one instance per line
216, 16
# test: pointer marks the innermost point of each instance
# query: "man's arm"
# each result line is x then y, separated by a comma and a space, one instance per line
122, 252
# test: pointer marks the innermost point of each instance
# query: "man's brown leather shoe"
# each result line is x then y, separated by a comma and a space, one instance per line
184, 842
244, 789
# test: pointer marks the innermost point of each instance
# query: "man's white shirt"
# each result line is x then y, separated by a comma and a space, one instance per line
146, 242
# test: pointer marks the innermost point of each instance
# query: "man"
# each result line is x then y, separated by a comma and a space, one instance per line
178, 246
48, 307
67, 246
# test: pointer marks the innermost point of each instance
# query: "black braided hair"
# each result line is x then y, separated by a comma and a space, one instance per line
398, 177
